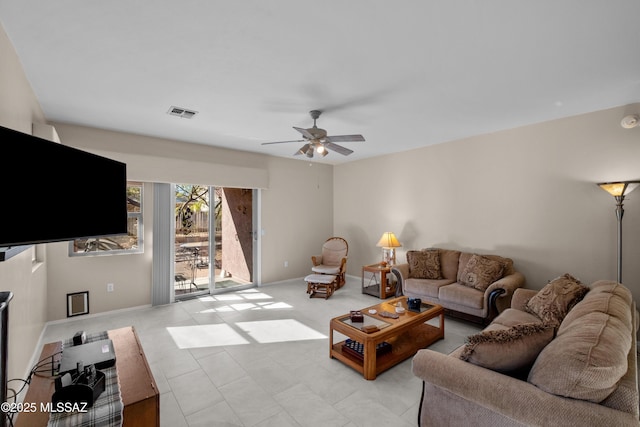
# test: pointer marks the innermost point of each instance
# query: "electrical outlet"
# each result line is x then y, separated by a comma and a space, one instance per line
286, 264
109, 287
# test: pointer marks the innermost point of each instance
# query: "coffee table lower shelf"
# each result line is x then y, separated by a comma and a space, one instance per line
403, 347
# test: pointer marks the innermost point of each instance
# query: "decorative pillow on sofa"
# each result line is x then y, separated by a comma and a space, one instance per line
552, 303
424, 264
507, 350
480, 272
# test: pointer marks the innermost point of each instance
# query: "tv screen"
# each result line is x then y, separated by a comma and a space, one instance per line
52, 192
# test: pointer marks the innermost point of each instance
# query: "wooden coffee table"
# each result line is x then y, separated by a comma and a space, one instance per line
406, 335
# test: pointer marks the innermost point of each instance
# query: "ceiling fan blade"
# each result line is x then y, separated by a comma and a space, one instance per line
344, 138
282, 142
302, 150
304, 133
338, 148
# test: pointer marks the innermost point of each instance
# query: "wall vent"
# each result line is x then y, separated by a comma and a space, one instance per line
181, 112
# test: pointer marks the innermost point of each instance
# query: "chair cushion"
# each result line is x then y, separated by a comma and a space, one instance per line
333, 250
320, 278
424, 264
325, 269
480, 272
552, 303
507, 349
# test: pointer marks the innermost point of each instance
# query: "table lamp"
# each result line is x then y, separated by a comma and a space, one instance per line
388, 242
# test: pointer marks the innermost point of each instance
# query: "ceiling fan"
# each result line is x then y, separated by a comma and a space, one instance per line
317, 140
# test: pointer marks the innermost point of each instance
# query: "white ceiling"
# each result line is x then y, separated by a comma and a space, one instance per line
404, 74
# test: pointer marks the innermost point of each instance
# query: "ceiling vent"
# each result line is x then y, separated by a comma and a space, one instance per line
182, 112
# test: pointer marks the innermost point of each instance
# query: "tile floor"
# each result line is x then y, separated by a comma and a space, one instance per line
259, 357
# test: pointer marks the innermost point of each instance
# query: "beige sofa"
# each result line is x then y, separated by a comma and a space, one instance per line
581, 372
471, 286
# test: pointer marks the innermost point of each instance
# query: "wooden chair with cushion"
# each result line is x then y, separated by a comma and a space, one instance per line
333, 259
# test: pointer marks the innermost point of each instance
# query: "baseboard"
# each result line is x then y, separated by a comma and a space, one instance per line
88, 316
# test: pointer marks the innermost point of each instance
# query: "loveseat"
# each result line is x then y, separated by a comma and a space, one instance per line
540, 363
472, 286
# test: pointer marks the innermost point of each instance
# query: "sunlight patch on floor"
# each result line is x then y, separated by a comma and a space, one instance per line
258, 295
249, 296
227, 297
198, 336
270, 331
272, 305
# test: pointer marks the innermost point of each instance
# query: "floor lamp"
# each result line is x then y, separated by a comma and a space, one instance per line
618, 190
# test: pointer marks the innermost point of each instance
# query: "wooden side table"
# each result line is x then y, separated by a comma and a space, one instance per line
374, 281
138, 390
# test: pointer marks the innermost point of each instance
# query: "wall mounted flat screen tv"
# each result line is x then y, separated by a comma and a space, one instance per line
52, 192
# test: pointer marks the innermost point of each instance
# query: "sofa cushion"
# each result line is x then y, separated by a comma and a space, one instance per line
598, 299
424, 264
449, 261
421, 288
480, 272
507, 349
589, 356
461, 295
511, 317
553, 302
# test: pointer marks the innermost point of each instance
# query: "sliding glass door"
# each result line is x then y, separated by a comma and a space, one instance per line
192, 240
214, 239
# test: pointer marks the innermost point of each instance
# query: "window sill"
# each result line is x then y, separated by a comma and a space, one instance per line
11, 251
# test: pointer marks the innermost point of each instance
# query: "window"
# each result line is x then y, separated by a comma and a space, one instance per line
117, 244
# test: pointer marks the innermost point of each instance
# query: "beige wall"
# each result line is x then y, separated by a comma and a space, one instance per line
19, 108
296, 203
527, 193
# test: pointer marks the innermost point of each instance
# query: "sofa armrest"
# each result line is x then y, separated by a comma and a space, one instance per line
509, 283
401, 272
509, 397
520, 298
498, 294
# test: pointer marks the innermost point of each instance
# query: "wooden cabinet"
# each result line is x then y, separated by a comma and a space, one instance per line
138, 389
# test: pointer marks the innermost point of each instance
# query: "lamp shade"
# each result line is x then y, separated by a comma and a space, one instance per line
388, 240
617, 189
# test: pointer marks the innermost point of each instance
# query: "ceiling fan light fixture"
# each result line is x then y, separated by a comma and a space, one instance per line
309, 152
317, 140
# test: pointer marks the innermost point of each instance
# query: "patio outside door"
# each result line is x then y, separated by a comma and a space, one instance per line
192, 262
213, 239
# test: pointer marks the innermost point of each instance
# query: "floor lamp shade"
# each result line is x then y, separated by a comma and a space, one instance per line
619, 190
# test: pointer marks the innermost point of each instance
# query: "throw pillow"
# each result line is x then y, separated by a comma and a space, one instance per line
507, 350
552, 303
424, 264
480, 272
